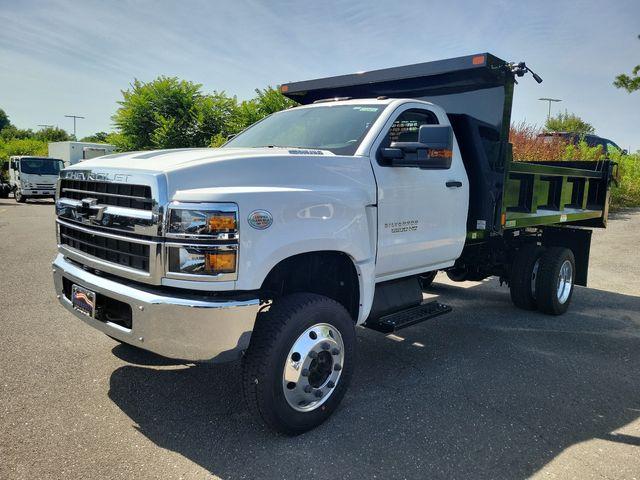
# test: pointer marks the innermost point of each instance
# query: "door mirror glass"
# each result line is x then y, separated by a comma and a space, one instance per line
433, 150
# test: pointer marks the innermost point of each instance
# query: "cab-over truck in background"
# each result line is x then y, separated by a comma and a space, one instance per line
319, 218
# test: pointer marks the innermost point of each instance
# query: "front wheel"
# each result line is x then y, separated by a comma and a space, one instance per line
20, 198
299, 362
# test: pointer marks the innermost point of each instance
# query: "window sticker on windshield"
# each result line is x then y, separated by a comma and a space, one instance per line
366, 109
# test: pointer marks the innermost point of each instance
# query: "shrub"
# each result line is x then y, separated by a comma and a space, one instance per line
627, 192
529, 147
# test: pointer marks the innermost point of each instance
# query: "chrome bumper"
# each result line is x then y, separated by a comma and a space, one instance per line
189, 327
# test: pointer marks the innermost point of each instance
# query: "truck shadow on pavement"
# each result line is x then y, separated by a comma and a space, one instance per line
487, 391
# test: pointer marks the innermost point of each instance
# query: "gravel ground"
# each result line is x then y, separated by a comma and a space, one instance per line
487, 391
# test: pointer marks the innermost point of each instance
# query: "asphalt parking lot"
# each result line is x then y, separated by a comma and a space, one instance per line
487, 391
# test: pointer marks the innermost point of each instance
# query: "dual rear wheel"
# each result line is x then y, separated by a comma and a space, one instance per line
543, 279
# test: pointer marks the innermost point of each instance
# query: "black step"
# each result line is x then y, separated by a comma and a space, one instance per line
406, 318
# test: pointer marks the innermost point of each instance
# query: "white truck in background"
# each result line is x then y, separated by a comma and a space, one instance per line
32, 177
319, 218
74, 152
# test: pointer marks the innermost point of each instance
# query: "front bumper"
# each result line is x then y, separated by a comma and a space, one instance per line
38, 192
185, 326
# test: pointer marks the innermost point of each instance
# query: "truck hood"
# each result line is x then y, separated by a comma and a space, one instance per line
223, 174
173, 159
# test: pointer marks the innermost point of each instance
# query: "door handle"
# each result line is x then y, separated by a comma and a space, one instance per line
454, 184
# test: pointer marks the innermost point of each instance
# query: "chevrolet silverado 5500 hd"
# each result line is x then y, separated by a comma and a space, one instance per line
332, 214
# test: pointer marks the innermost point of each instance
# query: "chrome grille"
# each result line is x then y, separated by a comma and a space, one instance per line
119, 251
112, 221
107, 193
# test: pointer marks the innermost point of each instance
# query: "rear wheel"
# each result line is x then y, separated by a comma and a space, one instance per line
299, 362
524, 272
556, 277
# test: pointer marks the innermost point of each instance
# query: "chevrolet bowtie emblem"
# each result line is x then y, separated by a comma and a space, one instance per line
89, 206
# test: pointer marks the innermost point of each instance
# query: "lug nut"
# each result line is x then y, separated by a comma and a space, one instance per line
335, 351
330, 384
313, 355
325, 346
308, 388
318, 393
305, 372
337, 367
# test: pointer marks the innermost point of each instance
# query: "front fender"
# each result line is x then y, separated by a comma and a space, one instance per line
304, 220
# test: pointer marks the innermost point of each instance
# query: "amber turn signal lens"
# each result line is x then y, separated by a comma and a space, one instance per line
222, 223
222, 261
440, 153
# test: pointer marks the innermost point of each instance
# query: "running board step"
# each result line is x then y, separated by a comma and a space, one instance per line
405, 318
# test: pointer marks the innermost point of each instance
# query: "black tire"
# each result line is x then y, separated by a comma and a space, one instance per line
426, 279
19, 197
4, 191
522, 275
548, 284
458, 274
274, 334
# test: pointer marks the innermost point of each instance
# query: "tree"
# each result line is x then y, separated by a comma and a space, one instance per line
19, 146
98, 137
568, 122
267, 101
4, 120
170, 113
52, 134
630, 83
13, 132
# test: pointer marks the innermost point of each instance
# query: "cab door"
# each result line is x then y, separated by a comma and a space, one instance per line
14, 172
422, 214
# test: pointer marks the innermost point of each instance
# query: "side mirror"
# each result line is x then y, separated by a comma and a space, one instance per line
433, 150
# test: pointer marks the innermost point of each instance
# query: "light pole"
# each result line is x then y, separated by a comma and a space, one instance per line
550, 100
74, 122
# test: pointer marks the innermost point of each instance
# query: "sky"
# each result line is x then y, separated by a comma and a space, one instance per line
74, 57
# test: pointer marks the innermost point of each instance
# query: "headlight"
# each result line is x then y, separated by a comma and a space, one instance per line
200, 235
196, 260
215, 220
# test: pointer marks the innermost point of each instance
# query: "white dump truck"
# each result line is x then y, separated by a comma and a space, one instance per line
319, 218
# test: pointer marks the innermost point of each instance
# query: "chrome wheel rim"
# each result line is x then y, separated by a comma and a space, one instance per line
534, 276
565, 281
313, 367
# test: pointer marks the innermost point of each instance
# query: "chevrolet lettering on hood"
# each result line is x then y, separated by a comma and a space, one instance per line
95, 176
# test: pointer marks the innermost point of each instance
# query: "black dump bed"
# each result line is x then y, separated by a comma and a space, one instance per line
476, 91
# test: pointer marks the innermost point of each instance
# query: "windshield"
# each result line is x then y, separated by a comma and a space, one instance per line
41, 166
338, 128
